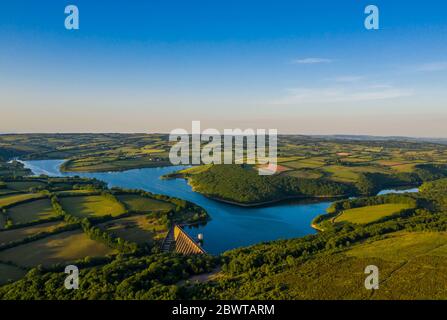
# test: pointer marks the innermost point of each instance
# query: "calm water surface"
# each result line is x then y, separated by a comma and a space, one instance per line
230, 226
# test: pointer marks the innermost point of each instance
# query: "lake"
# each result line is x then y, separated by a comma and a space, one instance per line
230, 226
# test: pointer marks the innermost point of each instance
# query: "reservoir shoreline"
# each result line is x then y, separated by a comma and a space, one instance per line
231, 226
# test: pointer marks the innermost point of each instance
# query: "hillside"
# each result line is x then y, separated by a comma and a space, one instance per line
409, 248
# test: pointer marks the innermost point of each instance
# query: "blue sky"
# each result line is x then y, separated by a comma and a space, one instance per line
151, 66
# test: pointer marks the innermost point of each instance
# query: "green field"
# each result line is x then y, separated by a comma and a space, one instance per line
412, 265
139, 229
138, 203
21, 233
304, 174
25, 185
65, 193
10, 273
31, 211
404, 246
421, 272
92, 206
60, 248
195, 169
350, 174
11, 199
302, 164
2, 221
6, 191
370, 213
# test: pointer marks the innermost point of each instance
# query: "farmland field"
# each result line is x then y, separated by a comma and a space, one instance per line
6, 191
11, 199
403, 246
10, 273
305, 174
139, 229
2, 221
370, 213
60, 248
138, 203
91, 206
306, 163
31, 211
21, 233
350, 174
73, 192
25, 185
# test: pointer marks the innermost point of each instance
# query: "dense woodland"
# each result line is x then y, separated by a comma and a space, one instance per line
242, 184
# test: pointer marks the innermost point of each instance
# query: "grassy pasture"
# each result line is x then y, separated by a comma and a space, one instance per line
113, 164
19, 234
139, 229
195, 169
2, 221
137, 203
11, 199
370, 213
91, 206
301, 164
412, 266
10, 273
60, 248
31, 211
340, 173
354, 160
4, 192
350, 174
403, 246
389, 163
70, 192
305, 174
62, 185
404, 167
150, 150
25, 185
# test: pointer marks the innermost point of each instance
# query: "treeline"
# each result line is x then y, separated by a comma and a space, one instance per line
184, 212
371, 183
243, 184
372, 201
323, 221
437, 192
94, 232
38, 236
251, 268
13, 169
150, 277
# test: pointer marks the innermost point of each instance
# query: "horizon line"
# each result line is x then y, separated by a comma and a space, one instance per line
279, 134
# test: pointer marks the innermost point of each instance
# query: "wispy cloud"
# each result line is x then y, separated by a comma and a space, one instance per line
335, 94
348, 79
311, 61
432, 67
